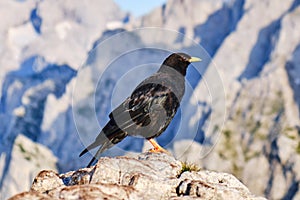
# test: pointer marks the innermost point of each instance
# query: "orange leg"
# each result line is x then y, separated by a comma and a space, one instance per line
157, 148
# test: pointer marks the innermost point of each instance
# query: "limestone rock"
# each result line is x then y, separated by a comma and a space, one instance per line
45, 181
144, 176
27, 159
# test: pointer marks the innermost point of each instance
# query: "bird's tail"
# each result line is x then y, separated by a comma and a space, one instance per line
108, 143
109, 136
105, 146
99, 141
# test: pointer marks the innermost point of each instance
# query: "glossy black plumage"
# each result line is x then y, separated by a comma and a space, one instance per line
150, 108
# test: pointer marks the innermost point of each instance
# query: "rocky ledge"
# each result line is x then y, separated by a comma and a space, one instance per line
144, 176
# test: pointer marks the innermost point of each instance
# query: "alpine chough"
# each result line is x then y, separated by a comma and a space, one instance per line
148, 111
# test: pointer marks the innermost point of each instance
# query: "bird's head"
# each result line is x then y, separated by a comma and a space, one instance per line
179, 62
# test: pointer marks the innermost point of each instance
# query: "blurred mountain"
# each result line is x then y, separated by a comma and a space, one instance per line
26, 159
66, 65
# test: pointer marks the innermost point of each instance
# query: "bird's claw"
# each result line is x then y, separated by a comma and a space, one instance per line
159, 150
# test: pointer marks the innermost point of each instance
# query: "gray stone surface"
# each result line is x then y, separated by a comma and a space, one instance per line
144, 176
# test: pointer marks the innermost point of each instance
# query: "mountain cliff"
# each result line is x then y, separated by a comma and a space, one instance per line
65, 65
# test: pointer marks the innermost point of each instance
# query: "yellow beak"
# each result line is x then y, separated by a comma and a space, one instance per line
194, 59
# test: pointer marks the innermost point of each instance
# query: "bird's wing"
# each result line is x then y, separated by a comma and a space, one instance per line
137, 109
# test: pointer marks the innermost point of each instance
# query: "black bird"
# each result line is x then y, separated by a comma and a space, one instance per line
150, 108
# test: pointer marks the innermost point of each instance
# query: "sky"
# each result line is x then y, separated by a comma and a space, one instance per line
139, 7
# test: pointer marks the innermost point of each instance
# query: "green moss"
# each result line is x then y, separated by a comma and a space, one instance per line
227, 133
189, 167
216, 128
250, 155
229, 151
298, 148
290, 132
291, 137
279, 93
22, 148
221, 155
276, 107
36, 149
239, 112
256, 127
288, 128
236, 170
261, 136
27, 155
28, 158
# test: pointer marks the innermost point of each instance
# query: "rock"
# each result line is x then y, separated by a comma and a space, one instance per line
31, 195
45, 181
27, 159
143, 176
258, 179
180, 15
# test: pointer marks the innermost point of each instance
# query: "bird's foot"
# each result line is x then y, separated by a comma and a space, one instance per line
157, 148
